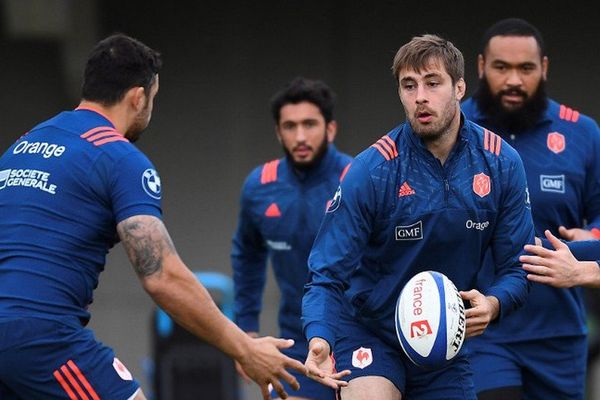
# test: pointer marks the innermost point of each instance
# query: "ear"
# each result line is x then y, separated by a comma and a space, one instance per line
277, 133
137, 96
461, 88
480, 65
545, 63
331, 131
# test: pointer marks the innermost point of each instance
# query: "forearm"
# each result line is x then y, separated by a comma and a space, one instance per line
177, 291
587, 274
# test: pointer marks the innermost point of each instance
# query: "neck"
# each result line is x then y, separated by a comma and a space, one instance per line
441, 146
114, 114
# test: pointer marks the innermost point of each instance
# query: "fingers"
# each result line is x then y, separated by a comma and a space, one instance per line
295, 365
278, 387
470, 295
565, 233
341, 374
266, 393
289, 378
313, 371
556, 243
281, 343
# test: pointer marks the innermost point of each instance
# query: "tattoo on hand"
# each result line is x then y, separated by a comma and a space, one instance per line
146, 242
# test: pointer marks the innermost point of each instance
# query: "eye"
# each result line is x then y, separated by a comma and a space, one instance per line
408, 86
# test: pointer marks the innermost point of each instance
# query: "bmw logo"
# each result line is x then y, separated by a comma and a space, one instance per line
151, 183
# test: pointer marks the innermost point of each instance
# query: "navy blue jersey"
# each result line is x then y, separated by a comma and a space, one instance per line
64, 187
280, 213
399, 211
560, 155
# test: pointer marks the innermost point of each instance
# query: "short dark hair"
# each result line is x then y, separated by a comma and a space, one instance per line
418, 52
117, 64
513, 27
301, 89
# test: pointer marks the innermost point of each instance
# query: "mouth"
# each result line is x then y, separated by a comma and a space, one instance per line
424, 117
302, 151
513, 97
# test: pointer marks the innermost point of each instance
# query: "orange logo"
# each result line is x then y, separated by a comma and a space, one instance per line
405, 190
481, 184
556, 142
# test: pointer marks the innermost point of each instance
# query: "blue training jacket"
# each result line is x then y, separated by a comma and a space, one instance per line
561, 158
280, 213
64, 187
399, 211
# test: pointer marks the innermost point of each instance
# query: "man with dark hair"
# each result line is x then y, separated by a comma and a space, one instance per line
540, 351
282, 204
408, 204
70, 189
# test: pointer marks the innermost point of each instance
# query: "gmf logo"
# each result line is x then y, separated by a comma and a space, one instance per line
420, 328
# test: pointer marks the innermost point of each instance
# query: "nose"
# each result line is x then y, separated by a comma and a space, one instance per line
300, 134
514, 78
421, 96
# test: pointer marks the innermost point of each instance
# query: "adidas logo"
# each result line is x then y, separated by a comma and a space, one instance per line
405, 190
273, 211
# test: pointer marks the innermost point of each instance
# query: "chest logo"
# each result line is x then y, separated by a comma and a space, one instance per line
482, 185
362, 357
552, 183
334, 203
405, 190
273, 211
410, 232
556, 142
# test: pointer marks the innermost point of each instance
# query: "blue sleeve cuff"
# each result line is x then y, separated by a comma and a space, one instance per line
314, 329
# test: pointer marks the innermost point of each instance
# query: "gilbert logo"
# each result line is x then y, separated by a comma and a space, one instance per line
420, 328
362, 358
410, 232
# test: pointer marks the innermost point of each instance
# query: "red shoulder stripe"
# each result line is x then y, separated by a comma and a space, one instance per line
392, 144
567, 113
64, 385
96, 130
344, 172
269, 172
491, 142
115, 138
498, 144
381, 150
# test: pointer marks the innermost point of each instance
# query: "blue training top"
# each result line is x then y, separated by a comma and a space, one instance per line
64, 187
280, 213
561, 158
399, 211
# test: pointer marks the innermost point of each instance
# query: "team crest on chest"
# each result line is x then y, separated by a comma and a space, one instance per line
556, 142
482, 184
362, 357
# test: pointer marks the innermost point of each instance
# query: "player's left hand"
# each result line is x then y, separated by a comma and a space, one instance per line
483, 310
575, 234
556, 268
319, 365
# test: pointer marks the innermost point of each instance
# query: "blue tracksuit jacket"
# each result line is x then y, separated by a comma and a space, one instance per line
400, 211
280, 214
561, 158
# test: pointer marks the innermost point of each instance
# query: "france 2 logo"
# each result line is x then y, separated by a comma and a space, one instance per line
151, 183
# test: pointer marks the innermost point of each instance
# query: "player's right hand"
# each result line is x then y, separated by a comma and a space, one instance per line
319, 365
265, 365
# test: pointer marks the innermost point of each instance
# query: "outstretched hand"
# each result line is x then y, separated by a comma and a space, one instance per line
265, 365
484, 309
319, 365
575, 234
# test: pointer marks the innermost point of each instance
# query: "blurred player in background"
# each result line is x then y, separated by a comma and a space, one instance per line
70, 189
540, 351
432, 194
282, 204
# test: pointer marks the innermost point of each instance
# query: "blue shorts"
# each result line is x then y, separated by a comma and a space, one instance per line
46, 359
551, 368
309, 388
365, 354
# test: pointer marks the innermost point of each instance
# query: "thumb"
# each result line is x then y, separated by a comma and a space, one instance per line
556, 242
284, 343
317, 349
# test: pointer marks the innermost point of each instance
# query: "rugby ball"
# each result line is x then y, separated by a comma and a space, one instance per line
430, 320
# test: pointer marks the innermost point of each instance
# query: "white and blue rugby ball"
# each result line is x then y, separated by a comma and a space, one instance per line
430, 319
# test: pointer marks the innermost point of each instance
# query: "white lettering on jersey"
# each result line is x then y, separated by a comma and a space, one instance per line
552, 183
480, 226
32, 178
278, 246
410, 232
47, 150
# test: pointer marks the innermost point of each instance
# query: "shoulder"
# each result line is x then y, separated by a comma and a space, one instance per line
382, 151
490, 144
264, 175
571, 118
